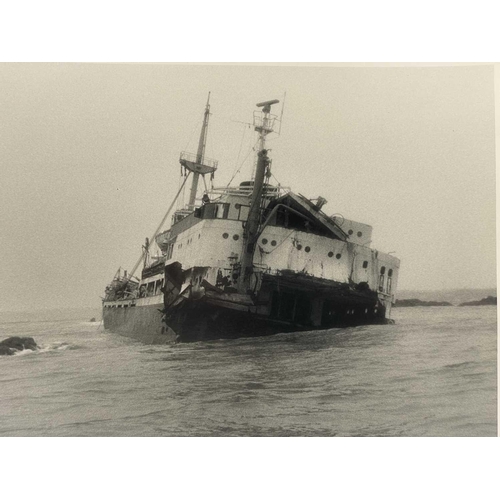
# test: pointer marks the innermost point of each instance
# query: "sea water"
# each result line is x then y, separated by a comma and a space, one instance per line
433, 373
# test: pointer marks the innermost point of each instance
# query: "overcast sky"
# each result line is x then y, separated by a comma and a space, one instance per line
89, 163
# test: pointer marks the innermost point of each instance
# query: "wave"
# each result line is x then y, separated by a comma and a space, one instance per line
56, 347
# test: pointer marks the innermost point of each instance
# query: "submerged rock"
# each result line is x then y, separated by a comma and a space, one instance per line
13, 344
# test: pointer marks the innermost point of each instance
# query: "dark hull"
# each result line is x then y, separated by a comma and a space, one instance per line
199, 320
143, 323
196, 321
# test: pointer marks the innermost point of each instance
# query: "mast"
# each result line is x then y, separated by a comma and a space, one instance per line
199, 155
263, 125
198, 163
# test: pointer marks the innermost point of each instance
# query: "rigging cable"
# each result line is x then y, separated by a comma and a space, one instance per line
246, 157
161, 224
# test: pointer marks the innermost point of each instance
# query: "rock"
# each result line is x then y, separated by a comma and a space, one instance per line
488, 301
13, 344
420, 303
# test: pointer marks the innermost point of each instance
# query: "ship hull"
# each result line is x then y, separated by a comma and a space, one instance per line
141, 322
199, 320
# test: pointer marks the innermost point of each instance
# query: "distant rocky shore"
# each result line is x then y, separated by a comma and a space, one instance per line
419, 303
488, 301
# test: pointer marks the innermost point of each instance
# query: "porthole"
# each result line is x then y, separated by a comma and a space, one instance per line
389, 273
225, 236
236, 237
307, 249
365, 264
330, 254
338, 256
273, 243
350, 232
299, 247
264, 241
360, 234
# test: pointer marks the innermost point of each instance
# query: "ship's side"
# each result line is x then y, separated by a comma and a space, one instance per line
302, 279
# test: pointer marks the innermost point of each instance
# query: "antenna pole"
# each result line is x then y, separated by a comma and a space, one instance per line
254, 213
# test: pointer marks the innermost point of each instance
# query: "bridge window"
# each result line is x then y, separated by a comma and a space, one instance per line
214, 211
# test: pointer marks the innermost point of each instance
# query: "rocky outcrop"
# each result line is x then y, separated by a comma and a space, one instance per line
14, 344
488, 301
419, 303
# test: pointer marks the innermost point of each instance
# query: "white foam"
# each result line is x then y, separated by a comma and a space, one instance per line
52, 347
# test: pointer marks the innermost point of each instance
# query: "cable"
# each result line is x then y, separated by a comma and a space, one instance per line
246, 157
161, 223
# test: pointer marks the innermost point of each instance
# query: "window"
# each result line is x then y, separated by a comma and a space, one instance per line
215, 211
338, 256
170, 250
360, 234
225, 236
221, 210
264, 241
365, 264
307, 249
236, 237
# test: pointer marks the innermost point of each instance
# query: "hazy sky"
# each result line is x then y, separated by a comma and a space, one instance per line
89, 163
